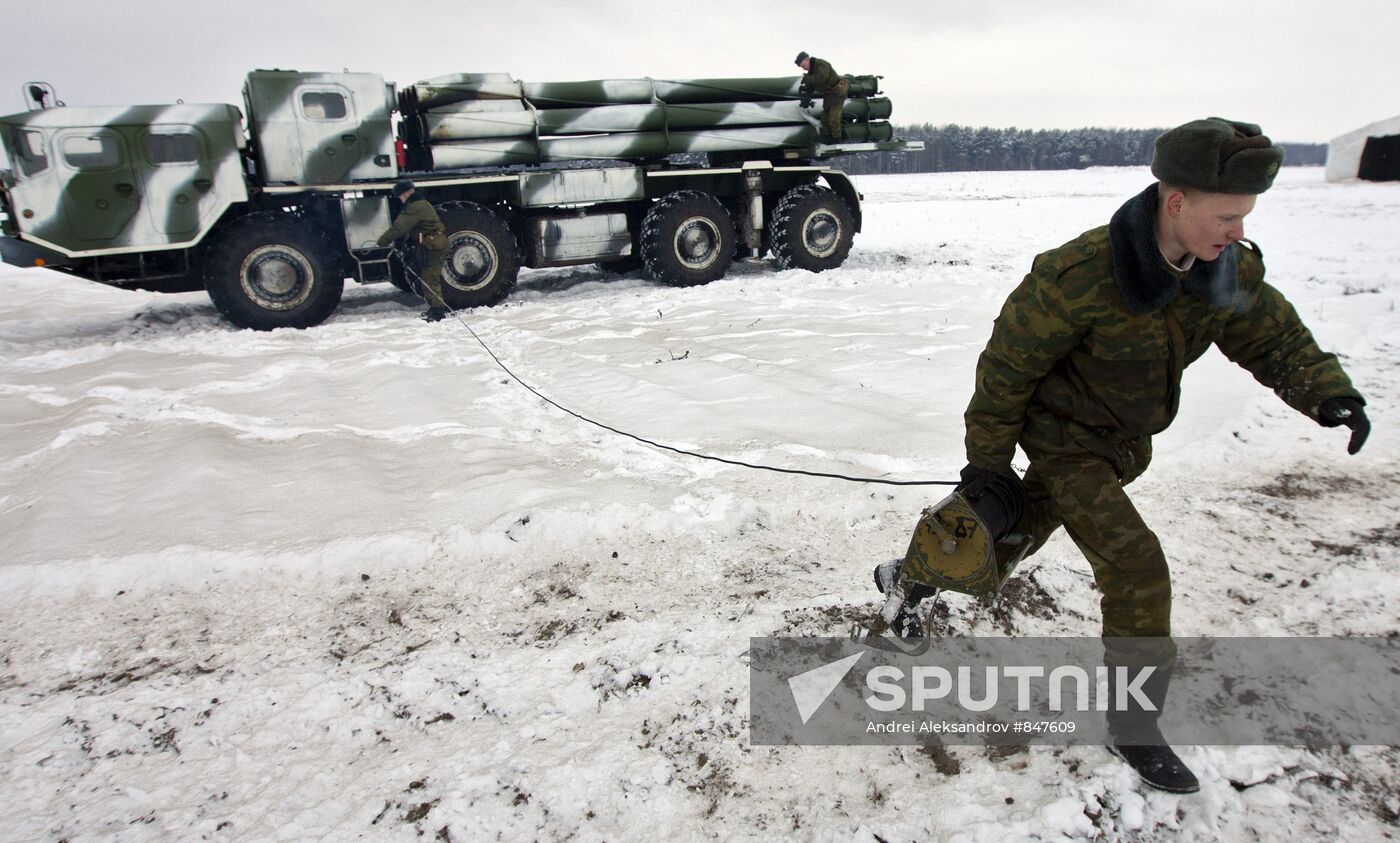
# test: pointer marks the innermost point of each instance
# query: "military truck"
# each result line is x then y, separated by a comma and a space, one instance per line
271, 217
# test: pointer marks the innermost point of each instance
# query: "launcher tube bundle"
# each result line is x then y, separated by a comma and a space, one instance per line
483, 120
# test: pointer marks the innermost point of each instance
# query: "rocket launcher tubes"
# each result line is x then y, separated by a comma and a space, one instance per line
470, 121
465, 87
626, 145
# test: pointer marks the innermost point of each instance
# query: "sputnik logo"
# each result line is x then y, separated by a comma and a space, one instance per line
810, 689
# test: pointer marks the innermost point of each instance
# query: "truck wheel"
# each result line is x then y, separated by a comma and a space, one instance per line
271, 271
812, 229
482, 259
687, 239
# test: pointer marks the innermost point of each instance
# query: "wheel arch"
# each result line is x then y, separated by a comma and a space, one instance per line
846, 189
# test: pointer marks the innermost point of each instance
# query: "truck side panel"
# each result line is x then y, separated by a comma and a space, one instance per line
366, 217
107, 181
320, 128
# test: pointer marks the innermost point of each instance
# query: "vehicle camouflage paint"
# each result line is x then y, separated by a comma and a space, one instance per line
446, 90
483, 120
320, 128
113, 180
271, 222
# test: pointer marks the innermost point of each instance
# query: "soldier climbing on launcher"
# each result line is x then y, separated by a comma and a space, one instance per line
1084, 366
419, 218
820, 78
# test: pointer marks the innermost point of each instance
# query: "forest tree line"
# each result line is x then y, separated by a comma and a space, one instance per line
959, 148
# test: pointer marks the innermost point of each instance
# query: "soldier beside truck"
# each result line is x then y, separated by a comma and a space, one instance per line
271, 220
419, 218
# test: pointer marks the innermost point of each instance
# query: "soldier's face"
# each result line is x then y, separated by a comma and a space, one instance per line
1207, 223
805, 64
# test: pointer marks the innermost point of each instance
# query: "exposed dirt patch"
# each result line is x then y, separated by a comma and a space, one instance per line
826, 620
943, 761
1021, 596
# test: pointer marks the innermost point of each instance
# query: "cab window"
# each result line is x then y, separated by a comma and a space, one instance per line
28, 146
323, 105
172, 148
91, 152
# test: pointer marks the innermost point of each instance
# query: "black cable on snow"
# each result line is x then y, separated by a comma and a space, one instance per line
456, 314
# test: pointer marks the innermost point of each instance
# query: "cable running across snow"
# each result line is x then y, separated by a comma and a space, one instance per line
456, 314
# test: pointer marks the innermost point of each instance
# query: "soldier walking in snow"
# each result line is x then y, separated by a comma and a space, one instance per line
1084, 366
819, 77
420, 218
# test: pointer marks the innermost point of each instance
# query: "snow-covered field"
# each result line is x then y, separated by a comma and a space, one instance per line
352, 582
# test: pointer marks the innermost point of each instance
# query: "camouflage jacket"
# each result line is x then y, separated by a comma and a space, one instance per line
821, 78
418, 217
1088, 352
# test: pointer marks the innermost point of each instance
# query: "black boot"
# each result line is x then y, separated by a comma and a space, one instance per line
906, 623
1159, 766
433, 314
1133, 733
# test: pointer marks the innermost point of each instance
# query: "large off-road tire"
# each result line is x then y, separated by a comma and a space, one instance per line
483, 257
812, 229
687, 239
269, 271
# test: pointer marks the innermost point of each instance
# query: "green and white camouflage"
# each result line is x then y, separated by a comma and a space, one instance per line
123, 179
492, 120
484, 119
628, 145
272, 222
321, 128
445, 90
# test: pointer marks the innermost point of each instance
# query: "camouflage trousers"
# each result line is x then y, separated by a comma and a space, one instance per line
832, 104
1084, 494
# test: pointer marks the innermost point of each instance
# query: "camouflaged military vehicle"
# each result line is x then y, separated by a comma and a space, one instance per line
270, 217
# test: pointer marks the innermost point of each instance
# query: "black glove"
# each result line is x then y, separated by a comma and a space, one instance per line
976, 479
806, 102
1349, 412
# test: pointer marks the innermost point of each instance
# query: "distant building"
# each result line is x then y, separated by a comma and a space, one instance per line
1371, 153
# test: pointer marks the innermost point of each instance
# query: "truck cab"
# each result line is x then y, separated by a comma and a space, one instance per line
320, 128
106, 181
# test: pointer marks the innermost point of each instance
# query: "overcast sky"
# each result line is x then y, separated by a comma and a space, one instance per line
1305, 71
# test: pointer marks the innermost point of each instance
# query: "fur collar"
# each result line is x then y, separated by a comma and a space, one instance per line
1142, 274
